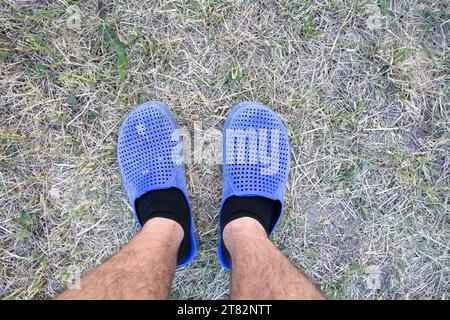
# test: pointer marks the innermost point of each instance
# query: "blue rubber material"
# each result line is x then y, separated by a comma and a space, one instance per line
249, 177
145, 148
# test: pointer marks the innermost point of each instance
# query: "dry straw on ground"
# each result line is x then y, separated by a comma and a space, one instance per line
363, 87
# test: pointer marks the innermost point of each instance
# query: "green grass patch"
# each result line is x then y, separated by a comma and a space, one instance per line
112, 39
308, 25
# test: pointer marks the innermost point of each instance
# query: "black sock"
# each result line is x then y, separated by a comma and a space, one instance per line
264, 210
171, 204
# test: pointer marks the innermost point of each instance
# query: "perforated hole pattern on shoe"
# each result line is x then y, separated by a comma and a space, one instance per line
145, 149
247, 176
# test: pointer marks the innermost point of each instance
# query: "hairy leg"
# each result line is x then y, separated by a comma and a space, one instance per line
143, 269
259, 270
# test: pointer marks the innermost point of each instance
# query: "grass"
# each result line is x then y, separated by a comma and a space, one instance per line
367, 112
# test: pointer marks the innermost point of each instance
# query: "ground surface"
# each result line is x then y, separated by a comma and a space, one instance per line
363, 87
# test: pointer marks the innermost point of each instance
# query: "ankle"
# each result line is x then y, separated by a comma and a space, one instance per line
164, 228
241, 231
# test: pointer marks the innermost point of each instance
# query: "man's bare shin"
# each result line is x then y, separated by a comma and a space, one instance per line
259, 269
143, 269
